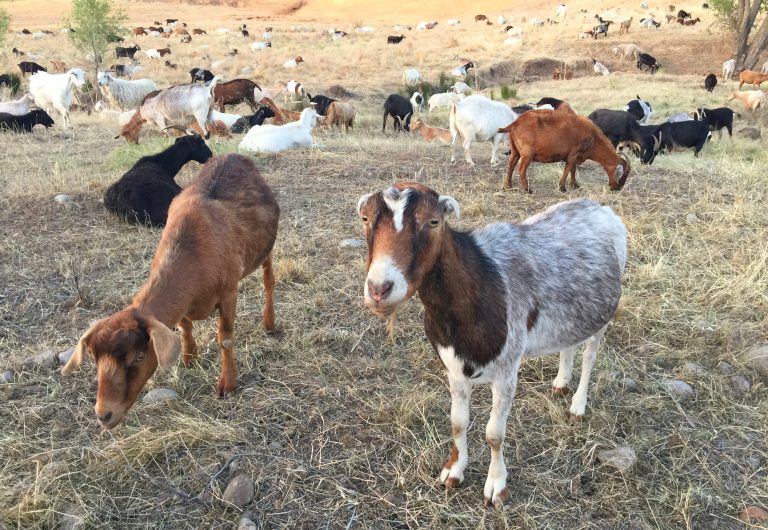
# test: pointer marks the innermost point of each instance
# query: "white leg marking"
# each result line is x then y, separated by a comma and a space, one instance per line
495, 490
579, 403
385, 269
453, 475
566, 369
495, 150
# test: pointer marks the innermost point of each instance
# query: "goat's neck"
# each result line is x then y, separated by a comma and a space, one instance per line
604, 154
173, 159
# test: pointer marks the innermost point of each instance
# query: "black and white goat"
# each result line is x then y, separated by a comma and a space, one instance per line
144, 193
25, 122
401, 111
640, 109
717, 119
495, 295
254, 120
649, 61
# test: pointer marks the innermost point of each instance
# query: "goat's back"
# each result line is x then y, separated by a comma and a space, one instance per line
228, 217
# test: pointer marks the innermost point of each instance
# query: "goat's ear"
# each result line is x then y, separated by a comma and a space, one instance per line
448, 205
165, 342
362, 201
80, 351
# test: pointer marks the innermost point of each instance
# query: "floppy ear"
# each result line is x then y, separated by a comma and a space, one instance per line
449, 205
80, 350
165, 342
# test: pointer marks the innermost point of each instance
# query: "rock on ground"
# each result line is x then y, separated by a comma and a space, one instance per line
7, 377
754, 514
677, 388
240, 491
42, 359
62, 198
741, 383
351, 243
757, 357
246, 524
694, 368
157, 395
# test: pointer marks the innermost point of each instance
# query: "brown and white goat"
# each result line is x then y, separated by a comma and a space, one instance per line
548, 136
430, 134
219, 230
751, 99
493, 296
340, 113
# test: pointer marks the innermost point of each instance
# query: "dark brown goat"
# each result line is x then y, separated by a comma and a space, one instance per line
220, 229
235, 92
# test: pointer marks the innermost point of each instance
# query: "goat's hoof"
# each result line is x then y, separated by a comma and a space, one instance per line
498, 500
563, 189
452, 482
225, 386
564, 391
575, 418
575, 186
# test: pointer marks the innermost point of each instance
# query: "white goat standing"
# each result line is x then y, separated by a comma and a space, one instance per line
412, 77
276, 138
124, 94
729, 67
477, 118
54, 91
444, 100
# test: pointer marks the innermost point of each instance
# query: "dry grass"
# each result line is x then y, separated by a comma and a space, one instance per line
339, 426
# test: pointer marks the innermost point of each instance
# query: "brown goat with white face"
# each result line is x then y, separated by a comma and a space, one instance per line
220, 229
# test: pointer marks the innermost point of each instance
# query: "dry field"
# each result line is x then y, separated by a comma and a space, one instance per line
339, 425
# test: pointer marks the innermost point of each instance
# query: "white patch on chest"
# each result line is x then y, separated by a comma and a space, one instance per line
453, 364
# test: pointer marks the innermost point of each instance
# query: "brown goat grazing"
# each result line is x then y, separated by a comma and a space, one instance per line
691, 22
282, 116
219, 230
165, 51
233, 93
198, 31
132, 129
751, 77
561, 74
548, 136
138, 31
480, 18
430, 134
340, 113
624, 27
182, 31
58, 66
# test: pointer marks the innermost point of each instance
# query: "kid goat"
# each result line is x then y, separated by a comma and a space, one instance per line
219, 230
495, 295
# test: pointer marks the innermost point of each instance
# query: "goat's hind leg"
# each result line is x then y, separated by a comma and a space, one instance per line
579, 403
268, 319
228, 378
188, 344
564, 373
495, 490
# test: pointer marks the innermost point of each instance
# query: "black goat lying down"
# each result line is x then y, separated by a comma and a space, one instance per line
25, 122
144, 193
257, 118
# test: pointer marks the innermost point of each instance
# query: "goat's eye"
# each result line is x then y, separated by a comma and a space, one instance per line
138, 359
364, 218
434, 222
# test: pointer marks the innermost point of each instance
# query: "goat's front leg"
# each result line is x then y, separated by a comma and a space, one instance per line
228, 378
188, 344
565, 372
452, 474
579, 403
268, 319
495, 150
503, 390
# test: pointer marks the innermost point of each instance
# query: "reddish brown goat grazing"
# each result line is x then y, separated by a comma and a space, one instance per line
561, 136
340, 113
233, 93
282, 116
430, 134
751, 77
219, 230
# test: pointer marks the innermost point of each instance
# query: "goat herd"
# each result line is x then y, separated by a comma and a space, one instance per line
491, 296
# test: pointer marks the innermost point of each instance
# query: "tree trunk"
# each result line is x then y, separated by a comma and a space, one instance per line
746, 15
757, 45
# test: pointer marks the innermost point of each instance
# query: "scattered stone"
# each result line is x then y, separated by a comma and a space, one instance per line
677, 388
753, 133
240, 491
610, 375
725, 368
246, 524
741, 383
691, 218
757, 356
65, 355
351, 243
275, 446
629, 384
52, 469
27, 391
754, 461
622, 458
42, 359
7, 377
247, 70
158, 395
754, 514
62, 198
694, 368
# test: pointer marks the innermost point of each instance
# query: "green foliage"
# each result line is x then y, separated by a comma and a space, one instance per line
94, 22
5, 22
508, 92
725, 9
15, 84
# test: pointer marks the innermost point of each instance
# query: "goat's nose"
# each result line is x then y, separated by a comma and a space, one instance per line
379, 292
104, 418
